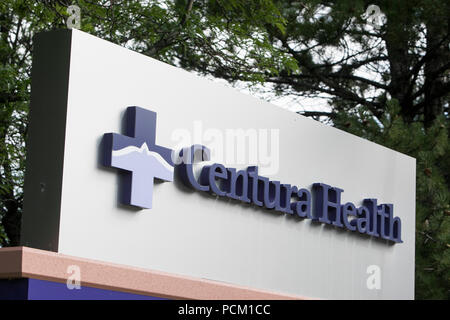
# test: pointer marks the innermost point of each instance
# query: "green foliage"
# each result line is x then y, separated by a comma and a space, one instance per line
300, 48
185, 33
431, 148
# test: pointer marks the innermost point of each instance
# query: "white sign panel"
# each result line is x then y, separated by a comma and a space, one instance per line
284, 203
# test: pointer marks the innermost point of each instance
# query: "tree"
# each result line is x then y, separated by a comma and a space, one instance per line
431, 148
326, 49
388, 83
162, 29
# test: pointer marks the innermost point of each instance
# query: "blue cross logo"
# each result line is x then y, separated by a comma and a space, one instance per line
138, 155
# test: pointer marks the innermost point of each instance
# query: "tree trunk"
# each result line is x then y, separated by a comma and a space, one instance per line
435, 80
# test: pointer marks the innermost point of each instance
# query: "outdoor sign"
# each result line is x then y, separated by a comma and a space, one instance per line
136, 162
142, 165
